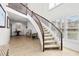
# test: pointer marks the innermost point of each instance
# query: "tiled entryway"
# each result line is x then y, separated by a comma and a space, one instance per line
24, 46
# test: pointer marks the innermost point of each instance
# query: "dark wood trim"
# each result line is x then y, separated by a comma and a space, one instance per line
5, 17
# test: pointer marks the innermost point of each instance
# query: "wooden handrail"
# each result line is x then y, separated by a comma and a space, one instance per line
49, 22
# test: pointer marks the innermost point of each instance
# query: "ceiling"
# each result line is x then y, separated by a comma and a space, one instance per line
64, 11
15, 17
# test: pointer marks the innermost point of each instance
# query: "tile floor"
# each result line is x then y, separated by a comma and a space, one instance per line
23, 46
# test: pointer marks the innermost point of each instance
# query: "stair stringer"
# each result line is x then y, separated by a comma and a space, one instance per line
54, 34
37, 29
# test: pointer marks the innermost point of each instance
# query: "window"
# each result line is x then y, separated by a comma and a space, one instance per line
2, 17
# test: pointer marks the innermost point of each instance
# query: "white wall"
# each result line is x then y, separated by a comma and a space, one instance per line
4, 36
64, 10
4, 32
24, 29
61, 12
31, 26
39, 8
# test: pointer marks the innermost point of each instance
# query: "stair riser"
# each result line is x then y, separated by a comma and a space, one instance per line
46, 32
49, 39
47, 35
45, 29
50, 43
52, 48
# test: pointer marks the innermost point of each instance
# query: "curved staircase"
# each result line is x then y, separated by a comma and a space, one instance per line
50, 37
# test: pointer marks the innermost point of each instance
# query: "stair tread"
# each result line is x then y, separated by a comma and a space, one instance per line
49, 37
43, 25
48, 41
46, 32
45, 29
51, 46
